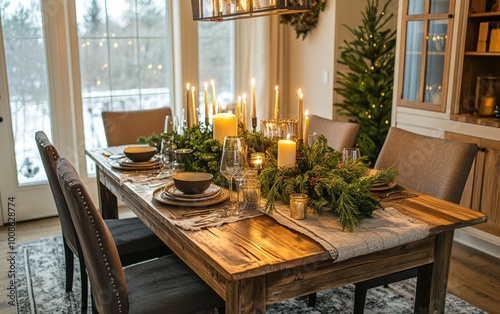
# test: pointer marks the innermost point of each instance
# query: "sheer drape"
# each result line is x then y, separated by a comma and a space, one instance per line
260, 55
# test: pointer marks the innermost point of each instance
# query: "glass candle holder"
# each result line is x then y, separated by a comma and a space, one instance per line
279, 129
249, 194
257, 161
298, 206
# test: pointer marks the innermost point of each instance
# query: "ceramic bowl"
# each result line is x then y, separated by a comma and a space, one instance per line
192, 182
140, 153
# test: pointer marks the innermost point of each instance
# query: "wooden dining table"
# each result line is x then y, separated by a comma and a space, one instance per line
256, 261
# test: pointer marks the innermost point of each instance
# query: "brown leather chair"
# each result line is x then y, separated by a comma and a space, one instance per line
157, 286
434, 166
339, 134
124, 127
134, 240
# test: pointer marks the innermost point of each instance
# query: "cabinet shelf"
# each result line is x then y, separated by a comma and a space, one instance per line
474, 119
482, 54
484, 15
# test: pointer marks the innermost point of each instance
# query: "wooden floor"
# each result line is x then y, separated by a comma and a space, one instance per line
474, 276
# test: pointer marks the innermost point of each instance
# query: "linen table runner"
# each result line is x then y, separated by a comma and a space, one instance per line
387, 228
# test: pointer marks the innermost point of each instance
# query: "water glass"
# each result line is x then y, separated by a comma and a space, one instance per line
350, 154
249, 194
311, 138
167, 152
298, 206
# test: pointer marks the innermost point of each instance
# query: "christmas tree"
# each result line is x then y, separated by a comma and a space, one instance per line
367, 86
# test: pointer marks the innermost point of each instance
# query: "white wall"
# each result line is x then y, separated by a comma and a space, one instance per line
311, 58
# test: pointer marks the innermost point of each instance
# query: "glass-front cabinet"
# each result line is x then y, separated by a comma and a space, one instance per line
425, 53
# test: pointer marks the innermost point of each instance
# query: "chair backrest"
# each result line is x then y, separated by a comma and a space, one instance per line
49, 156
434, 166
102, 261
124, 127
339, 134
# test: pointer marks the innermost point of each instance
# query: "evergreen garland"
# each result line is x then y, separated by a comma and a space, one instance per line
367, 88
304, 22
329, 183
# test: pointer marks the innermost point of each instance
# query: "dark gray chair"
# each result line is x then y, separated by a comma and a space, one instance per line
434, 166
339, 134
124, 127
163, 285
135, 241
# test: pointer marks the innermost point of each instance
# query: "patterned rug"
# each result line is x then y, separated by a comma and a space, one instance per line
40, 289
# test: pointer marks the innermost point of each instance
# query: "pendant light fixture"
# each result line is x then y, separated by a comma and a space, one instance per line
224, 10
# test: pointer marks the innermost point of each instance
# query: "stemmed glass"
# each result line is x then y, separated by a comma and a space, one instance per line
232, 162
167, 147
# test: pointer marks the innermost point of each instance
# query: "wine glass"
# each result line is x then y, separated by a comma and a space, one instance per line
232, 161
171, 124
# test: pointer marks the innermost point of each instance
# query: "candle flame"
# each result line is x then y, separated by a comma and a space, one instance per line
206, 85
276, 88
307, 112
239, 98
244, 96
188, 86
253, 82
301, 96
288, 136
193, 89
212, 82
300, 91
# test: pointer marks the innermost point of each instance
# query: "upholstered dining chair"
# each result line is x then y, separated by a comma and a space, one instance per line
434, 166
124, 127
163, 285
339, 134
135, 241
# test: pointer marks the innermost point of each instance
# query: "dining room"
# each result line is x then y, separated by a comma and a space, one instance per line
344, 156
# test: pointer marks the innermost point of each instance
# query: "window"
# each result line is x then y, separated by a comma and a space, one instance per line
125, 58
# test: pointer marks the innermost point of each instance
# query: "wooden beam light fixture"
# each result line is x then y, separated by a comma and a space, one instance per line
225, 10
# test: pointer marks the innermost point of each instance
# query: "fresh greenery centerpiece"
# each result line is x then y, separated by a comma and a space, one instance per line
319, 172
328, 182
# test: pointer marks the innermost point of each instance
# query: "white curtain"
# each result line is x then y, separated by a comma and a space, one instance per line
260, 55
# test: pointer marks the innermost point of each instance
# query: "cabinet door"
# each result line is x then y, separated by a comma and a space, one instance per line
425, 53
482, 190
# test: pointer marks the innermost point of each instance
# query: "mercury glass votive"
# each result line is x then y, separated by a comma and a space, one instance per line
298, 206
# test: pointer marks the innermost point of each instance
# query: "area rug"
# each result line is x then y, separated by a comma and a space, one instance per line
41, 289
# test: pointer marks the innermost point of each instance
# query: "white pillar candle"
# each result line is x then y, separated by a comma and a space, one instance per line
286, 152
224, 125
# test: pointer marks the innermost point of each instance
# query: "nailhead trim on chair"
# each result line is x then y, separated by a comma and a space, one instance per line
105, 259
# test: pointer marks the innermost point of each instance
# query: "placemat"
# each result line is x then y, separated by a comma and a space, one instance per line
387, 228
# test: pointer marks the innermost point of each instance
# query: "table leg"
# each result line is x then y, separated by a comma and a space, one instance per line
108, 203
246, 296
432, 278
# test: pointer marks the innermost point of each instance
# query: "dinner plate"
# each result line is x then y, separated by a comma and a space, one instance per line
176, 198
131, 163
159, 196
384, 187
171, 190
117, 165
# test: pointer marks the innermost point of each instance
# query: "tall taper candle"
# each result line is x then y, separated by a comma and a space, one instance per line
244, 111
238, 113
188, 103
254, 105
207, 114
276, 105
301, 115
193, 101
306, 128
214, 100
